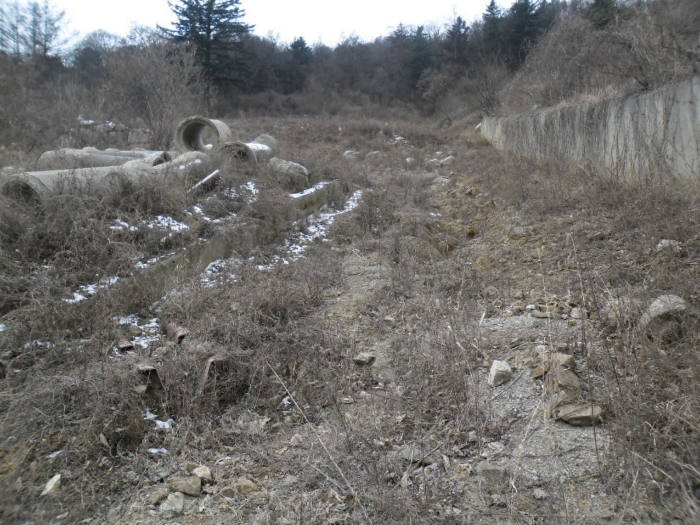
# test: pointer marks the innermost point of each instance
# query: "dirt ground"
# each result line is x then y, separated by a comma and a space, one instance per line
340, 373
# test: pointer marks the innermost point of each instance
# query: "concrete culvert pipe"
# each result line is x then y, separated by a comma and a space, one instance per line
261, 149
191, 134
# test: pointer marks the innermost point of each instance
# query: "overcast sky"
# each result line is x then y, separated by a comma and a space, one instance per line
328, 21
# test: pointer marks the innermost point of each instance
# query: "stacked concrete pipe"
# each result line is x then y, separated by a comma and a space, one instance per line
68, 158
37, 185
189, 134
261, 149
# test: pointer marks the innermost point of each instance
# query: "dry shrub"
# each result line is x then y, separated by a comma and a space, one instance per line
155, 85
651, 46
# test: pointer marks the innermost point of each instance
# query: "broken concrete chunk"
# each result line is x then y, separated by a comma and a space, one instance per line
500, 373
364, 359
580, 415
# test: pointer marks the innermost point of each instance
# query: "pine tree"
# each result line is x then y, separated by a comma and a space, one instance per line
456, 41
492, 28
215, 29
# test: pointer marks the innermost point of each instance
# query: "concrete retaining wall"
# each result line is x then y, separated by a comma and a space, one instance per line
650, 134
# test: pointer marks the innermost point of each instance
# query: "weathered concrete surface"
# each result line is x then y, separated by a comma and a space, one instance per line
650, 134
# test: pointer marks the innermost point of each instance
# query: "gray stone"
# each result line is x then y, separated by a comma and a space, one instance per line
500, 373
668, 245
364, 359
245, 486
175, 503
447, 161
113, 513
351, 154
564, 360
190, 485
134, 330
580, 415
539, 494
662, 320
203, 473
157, 496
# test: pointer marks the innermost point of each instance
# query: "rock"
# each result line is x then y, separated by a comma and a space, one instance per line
373, 155
389, 321
539, 494
364, 359
53, 486
664, 317
668, 245
296, 440
577, 313
472, 437
580, 415
494, 474
190, 485
500, 373
564, 360
447, 161
134, 330
175, 503
351, 154
245, 486
432, 163
203, 473
562, 380
544, 315
518, 233
290, 480
229, 492
157, 496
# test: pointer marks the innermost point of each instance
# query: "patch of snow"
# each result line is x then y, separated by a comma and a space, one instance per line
166, 222
258, 146
88, 290
311, 190
188, 164
209, 147
123, 225
2, 327
54, 454
317, 227
157, 450
252, 189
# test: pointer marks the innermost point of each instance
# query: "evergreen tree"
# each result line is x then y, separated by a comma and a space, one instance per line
601, 12
215, 29
492, 28
456, 42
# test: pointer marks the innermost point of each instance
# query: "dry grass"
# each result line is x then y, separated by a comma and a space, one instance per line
391, 280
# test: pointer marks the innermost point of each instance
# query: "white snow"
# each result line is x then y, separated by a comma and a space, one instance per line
2, 327
311, 190
89, 290
54, 454
157, 450
166, 222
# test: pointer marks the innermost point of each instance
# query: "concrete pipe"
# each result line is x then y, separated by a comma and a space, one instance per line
261, 149
35, 186
189, 134
67, 158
